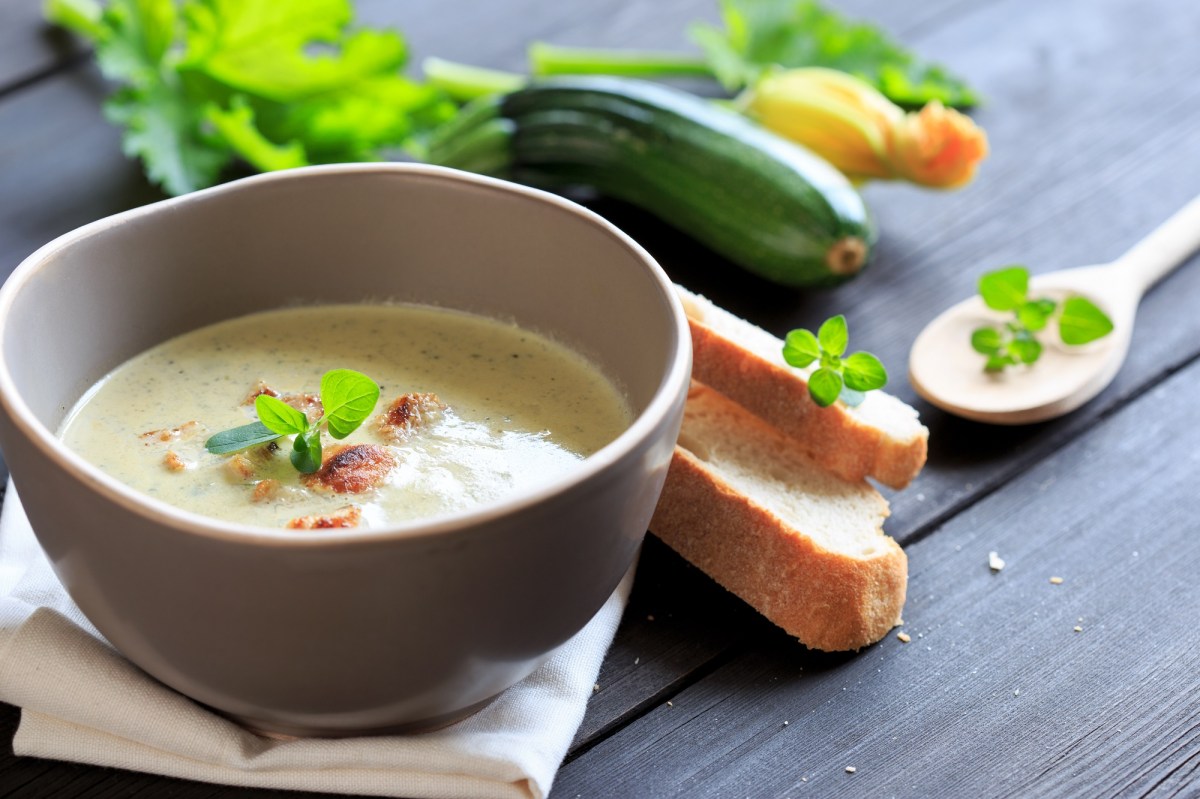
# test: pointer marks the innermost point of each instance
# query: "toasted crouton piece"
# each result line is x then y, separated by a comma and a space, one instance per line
348, 516
409, 412
352, 468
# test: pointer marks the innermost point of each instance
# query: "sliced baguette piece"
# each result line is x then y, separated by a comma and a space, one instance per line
882, 438
802, 546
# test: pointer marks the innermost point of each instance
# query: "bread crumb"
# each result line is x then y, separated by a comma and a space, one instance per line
995, 562
1056, 581
850, 769
596, 687
173, 462
1016, 692
637, 661
1078, 629
904, 637
265, 490
786, 723
670, 703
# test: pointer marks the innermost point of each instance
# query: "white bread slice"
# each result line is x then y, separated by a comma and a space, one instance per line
881, 438
805, 548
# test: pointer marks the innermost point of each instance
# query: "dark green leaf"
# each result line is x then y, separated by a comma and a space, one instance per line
824, 386
1082, 322
348, 397
1035, 314
1005, 289
237, 438
987, 340
1025, 349
306, 451
800, 348
862, 371
833, 335
996, 363
760, 34
279, 416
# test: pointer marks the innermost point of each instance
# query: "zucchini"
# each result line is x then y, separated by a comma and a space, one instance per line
763, 202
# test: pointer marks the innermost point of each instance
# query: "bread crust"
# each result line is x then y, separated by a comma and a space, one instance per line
828, 600
835, 437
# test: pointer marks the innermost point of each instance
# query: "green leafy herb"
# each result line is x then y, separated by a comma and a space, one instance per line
347, 397
761, 34
1015, 342
847, 378
276, 85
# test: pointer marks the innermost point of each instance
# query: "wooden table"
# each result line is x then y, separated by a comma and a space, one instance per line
1093, 111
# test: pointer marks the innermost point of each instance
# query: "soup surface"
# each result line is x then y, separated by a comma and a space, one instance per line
470, 409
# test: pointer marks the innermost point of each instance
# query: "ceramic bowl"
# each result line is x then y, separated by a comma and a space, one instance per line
345, 631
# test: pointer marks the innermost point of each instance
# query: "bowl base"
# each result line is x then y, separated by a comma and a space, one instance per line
282, 731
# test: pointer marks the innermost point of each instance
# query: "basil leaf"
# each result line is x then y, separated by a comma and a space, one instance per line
237, 438
279, 416
800, 348
306, 451
1005, 289
348, 397
1082, 322
834, 335
996, 363
824, 387
862, 371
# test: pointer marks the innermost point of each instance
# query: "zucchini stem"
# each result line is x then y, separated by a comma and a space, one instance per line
548, 59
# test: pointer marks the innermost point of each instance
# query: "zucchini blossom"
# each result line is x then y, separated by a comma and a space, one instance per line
850, 124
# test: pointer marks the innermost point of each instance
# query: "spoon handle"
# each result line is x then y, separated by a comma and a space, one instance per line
1168, 246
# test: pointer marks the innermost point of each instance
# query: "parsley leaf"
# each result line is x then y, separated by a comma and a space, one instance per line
761, 34
277, 85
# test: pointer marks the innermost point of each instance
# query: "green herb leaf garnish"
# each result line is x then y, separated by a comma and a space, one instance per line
1015, 342
847, 379
347, 397
239, 438
761, 34
1082, 322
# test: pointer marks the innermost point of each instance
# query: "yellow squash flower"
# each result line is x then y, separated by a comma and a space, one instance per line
850, 124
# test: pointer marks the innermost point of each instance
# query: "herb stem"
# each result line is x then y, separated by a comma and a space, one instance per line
464, 82
548, 59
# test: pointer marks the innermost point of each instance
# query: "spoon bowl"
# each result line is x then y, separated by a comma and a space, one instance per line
946, 371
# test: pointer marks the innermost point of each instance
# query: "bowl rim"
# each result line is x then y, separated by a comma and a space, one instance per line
671, 388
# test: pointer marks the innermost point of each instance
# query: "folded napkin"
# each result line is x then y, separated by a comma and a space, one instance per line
82, 701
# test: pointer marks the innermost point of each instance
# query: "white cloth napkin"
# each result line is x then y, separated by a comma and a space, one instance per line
82, 701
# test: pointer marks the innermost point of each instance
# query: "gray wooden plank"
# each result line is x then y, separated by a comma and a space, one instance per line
29, 48
997, 694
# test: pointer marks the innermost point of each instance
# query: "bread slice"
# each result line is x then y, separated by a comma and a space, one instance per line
881, 438
804, 547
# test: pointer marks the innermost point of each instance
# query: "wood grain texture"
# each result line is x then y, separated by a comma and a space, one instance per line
996, 694
1095, 128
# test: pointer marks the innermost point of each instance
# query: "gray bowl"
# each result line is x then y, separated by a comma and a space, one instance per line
351, 631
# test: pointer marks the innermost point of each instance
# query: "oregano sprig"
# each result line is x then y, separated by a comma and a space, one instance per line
1016, 342
847, 378
347, 397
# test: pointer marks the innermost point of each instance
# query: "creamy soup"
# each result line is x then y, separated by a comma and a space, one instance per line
470, 410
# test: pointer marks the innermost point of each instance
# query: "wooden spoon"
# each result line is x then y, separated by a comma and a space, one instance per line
945, 370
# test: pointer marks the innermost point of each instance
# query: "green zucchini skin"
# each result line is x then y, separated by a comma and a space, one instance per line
763, 202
